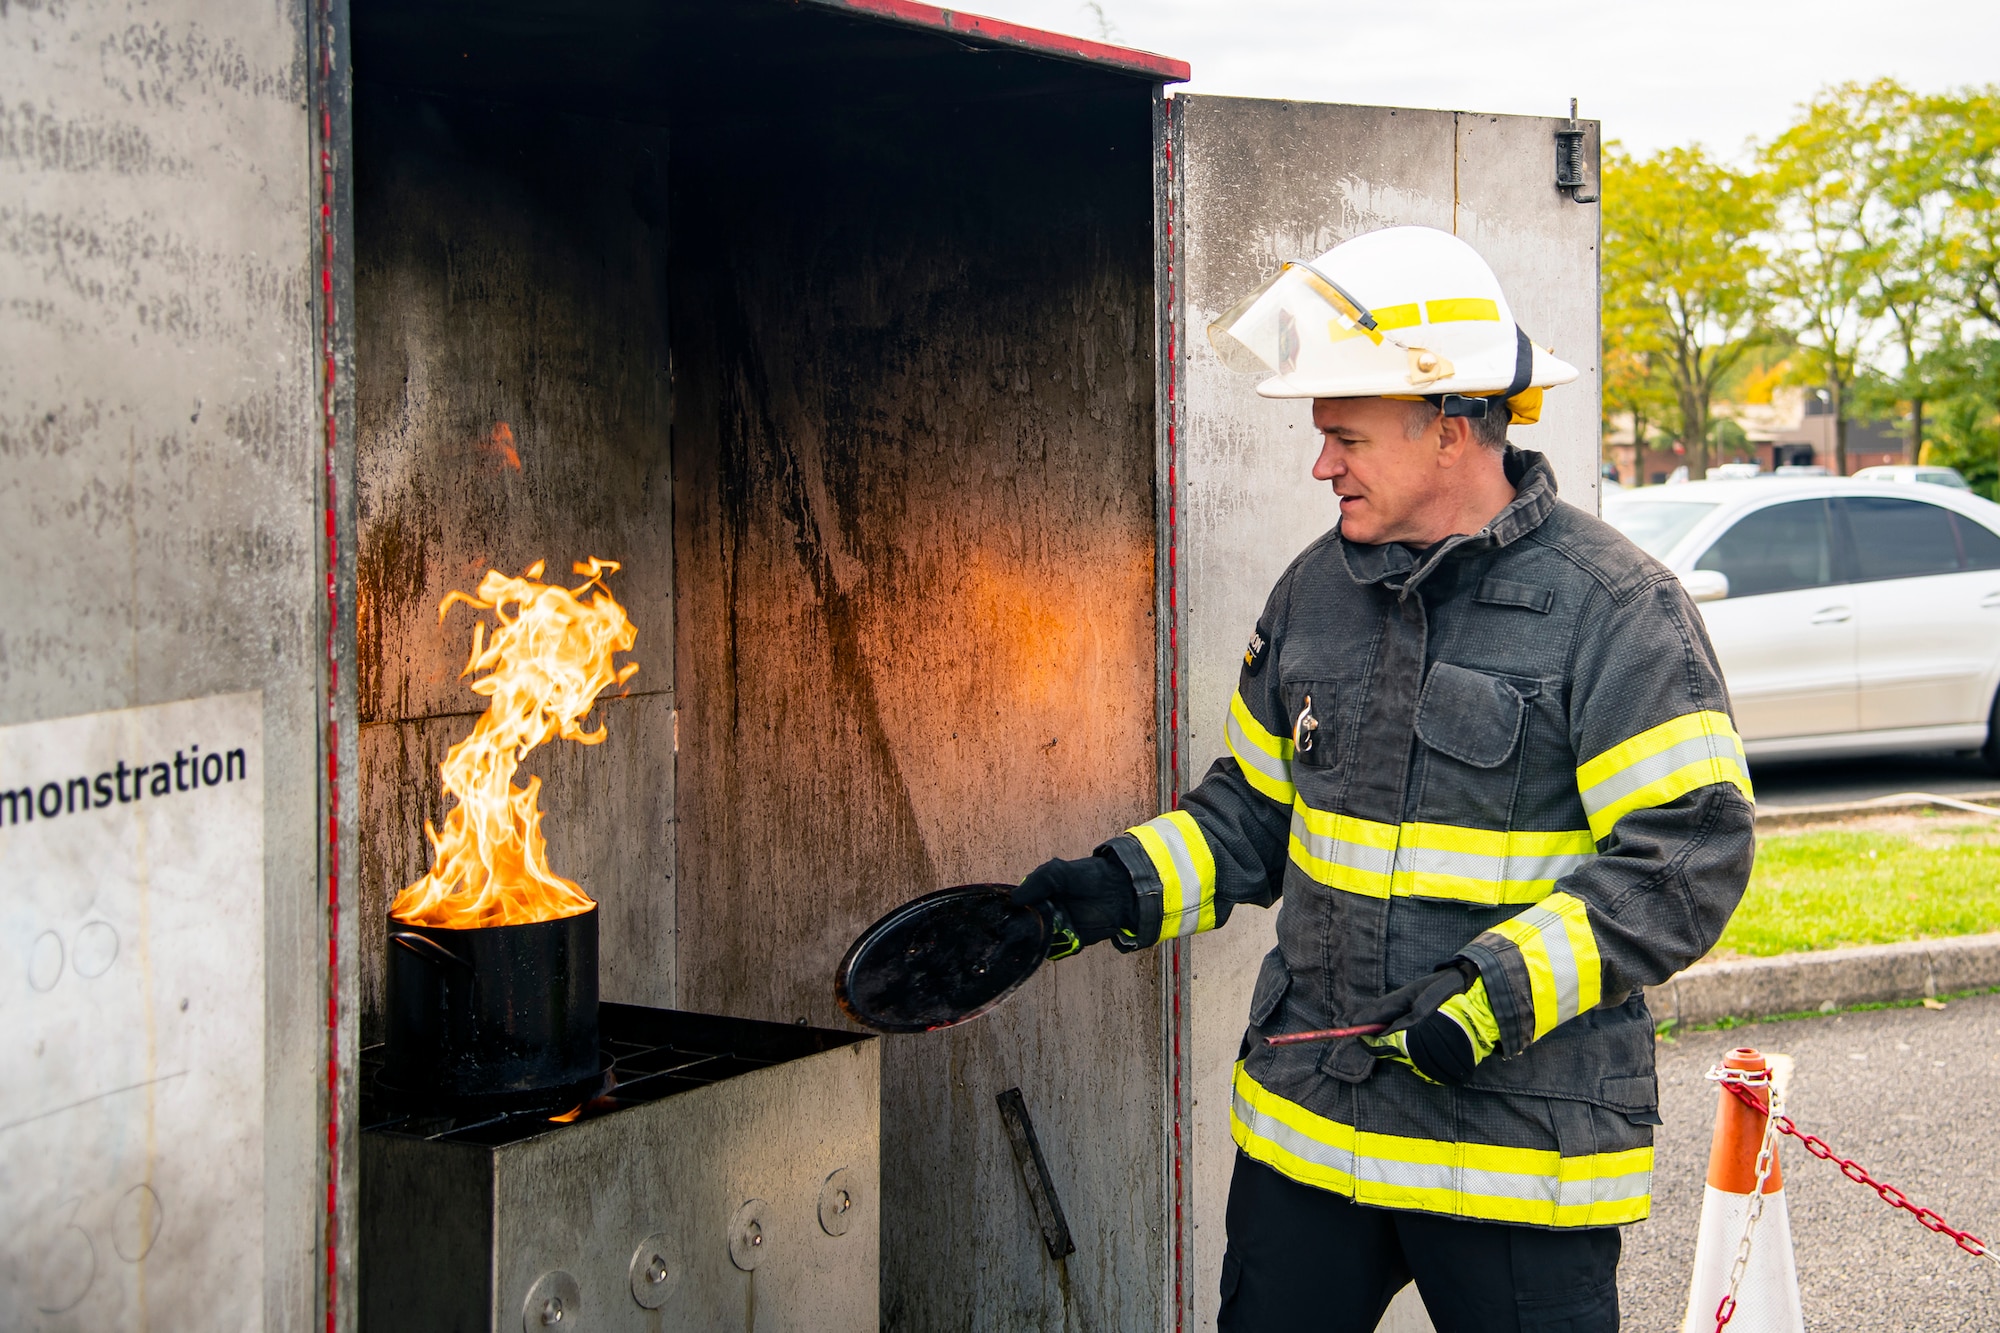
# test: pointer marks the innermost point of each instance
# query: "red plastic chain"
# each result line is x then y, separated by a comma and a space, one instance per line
1890, 1195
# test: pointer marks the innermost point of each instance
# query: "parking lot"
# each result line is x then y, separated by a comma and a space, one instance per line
1830, 781
1913, 1095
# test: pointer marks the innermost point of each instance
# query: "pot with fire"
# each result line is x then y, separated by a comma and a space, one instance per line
492, 966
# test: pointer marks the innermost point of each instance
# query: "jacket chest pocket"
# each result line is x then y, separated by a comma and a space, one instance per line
1473, 723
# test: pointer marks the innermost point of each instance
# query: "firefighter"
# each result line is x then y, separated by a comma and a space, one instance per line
1481, 755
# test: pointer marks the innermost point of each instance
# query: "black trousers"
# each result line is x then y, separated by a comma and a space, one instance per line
1301, 1260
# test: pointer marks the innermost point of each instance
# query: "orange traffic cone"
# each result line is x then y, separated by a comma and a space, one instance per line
1767, 1293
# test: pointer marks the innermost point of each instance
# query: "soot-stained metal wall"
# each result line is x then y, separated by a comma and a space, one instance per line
894, 311
513, 407
913, 463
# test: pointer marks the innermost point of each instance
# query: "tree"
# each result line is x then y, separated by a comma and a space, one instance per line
1907, 232
1729, 440
1954, 167
1966, 426
1633, 376
1964, 150
1681, 255
1829, 173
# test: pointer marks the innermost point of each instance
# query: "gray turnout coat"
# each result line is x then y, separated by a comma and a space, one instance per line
1513, 747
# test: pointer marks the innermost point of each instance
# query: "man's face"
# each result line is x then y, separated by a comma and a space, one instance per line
1388, 484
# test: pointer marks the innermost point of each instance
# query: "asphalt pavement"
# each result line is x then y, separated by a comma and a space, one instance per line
1912, 1095
1830, 781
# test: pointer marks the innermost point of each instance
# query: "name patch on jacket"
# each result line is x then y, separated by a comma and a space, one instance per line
1253, 652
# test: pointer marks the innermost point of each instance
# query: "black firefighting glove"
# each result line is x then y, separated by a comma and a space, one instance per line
1439, 1025
1093, 899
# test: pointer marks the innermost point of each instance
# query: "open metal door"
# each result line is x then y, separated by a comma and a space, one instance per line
1254, 183
174, 1032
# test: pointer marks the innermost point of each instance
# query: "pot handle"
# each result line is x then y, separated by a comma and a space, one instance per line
423, 946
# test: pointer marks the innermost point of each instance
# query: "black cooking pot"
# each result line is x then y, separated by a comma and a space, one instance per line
493, 1018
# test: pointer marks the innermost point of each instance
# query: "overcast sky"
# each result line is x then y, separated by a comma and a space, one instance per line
1659, 73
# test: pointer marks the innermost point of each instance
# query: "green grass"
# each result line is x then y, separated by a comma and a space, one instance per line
1821, 889
1672, 1029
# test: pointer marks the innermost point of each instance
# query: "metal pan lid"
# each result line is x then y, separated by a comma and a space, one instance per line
942, 959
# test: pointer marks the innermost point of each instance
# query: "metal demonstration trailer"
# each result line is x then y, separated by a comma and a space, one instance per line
867, 337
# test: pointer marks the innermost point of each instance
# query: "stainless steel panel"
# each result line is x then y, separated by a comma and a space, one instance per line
582, 1202
1261, 182
1544, 247
456, 1236
160, 456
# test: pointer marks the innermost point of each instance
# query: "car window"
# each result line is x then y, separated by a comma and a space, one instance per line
1978, 542
1654, 525
1774, 550
1899, 539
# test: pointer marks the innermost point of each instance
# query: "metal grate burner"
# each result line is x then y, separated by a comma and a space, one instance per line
653, 1053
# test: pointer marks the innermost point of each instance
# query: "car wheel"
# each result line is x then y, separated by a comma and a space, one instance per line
1989, 753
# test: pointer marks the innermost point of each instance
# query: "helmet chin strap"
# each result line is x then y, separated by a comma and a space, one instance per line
1477, 405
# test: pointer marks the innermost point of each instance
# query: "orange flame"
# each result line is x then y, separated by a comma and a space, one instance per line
548, 660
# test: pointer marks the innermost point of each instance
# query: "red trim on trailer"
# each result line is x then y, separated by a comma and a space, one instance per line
330, 419
1171, 278
1163, 69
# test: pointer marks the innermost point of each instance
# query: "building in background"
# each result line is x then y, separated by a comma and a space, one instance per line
1792, 428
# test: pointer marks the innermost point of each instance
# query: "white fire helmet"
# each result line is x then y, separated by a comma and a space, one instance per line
1406, 312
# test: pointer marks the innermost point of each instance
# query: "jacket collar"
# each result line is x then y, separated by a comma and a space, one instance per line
1400, 569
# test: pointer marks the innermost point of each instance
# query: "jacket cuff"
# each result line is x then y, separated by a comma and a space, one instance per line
1145, 886
1170, 861
1541, 968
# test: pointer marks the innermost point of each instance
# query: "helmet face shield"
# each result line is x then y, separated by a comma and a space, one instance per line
1265, 332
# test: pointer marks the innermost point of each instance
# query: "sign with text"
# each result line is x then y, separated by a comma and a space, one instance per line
132, 1018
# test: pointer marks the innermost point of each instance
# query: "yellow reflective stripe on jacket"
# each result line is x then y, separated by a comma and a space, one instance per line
1186, 868
1485, 866
1536, 1187
1659, 764
1343, 852
1266, 760
1565, 974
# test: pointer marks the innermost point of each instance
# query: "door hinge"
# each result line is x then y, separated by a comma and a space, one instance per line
1569, 160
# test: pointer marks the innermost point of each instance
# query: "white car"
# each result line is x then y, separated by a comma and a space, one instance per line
1851, 617
1935, 476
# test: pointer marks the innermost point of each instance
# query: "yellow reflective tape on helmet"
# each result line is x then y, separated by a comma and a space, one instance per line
1556, 943
1462, 310
1409, 315
1266, 759
1660, 764
1490, 867
1491, 1182
1180, 856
